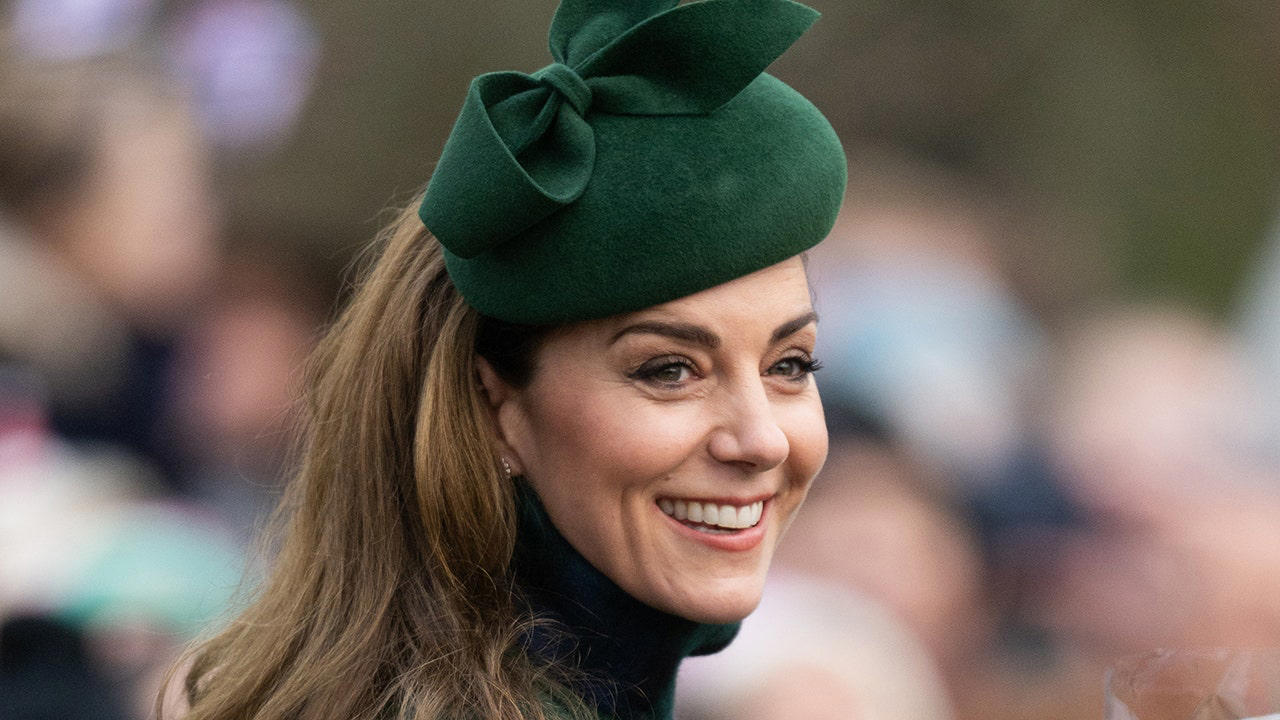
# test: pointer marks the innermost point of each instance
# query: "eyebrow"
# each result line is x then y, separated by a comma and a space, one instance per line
699, 335
793, 326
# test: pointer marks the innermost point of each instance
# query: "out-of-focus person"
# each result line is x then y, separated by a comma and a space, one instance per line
924, 337
877, 526
91, 559
816, 649
937, 367
109, 242
238, 368
1157, 428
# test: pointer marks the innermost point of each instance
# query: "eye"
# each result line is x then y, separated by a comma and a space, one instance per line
669, 371
796, 367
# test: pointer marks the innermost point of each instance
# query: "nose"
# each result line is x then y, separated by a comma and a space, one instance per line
749, 435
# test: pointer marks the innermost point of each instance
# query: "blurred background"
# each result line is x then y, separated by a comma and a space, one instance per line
1050, 329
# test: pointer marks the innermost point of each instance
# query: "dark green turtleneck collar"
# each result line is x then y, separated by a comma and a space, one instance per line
630, 649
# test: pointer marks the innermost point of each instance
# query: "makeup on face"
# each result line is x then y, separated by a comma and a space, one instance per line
671, 447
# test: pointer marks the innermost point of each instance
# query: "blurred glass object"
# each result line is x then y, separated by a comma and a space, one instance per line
1218, 684
249, 64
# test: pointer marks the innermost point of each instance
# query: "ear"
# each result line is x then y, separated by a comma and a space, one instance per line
503, 402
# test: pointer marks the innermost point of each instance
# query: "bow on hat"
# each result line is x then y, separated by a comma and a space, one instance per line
523, 146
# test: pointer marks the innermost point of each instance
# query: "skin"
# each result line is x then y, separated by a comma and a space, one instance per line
626, 410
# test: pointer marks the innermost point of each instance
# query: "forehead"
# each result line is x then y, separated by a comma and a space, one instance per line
748, 306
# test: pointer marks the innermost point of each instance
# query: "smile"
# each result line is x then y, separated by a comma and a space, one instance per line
712, 517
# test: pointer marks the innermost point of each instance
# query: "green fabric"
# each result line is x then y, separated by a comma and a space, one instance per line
651, 160
629, 652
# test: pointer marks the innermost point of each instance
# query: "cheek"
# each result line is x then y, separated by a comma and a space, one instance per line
806, 430
605, 434
807, 436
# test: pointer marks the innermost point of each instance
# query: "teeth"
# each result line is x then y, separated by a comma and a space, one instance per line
722, 516
729, 516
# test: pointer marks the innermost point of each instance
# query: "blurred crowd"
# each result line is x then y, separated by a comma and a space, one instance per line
148, 347
1019, 490
1013, 502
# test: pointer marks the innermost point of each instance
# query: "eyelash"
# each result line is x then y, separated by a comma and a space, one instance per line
805, 366
649, 371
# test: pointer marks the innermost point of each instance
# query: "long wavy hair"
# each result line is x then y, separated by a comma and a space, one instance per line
389, 595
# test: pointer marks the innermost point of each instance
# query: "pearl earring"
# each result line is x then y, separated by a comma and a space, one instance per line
506, 467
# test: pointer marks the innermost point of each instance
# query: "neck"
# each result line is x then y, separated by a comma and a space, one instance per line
628, 651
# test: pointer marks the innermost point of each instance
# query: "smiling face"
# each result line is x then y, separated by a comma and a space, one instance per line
672, 446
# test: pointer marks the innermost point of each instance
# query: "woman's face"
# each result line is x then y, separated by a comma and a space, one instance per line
672, 446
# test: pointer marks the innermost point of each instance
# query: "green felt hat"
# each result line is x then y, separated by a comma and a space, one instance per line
651, 160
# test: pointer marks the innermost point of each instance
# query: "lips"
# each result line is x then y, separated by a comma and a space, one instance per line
711, 516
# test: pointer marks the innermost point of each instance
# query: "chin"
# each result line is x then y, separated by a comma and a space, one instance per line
720, 608
728, 613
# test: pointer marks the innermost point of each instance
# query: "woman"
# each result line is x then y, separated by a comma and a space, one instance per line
557, 433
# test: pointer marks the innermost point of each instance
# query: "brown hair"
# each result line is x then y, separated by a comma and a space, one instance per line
390, 595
